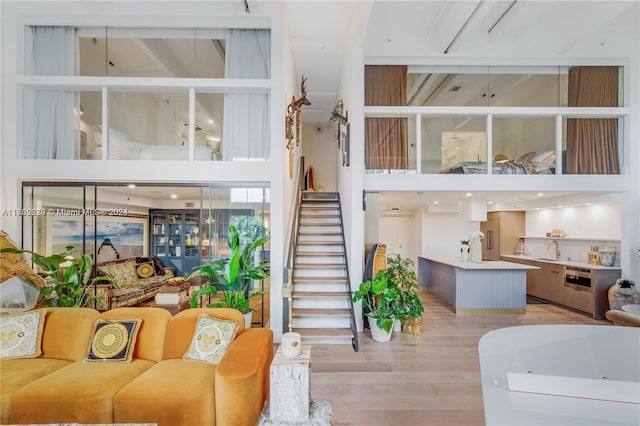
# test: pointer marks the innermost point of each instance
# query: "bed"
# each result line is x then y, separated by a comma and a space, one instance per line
532, 163
123, 147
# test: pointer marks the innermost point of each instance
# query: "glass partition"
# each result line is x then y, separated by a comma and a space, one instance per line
450, 144
524, 143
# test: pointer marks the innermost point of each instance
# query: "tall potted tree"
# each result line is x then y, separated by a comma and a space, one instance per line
230, 279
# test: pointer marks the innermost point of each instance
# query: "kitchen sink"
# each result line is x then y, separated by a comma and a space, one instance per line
545, 258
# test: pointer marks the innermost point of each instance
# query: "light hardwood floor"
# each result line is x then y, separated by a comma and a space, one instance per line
431, 379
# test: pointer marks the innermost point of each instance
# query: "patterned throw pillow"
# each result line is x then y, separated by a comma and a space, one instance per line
211, 339
124, 273
21, 334
145, 269
113, 340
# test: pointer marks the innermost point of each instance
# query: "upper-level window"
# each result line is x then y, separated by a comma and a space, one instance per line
501, 121
143, 121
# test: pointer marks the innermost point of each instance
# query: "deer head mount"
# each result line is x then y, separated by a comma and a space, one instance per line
293, 115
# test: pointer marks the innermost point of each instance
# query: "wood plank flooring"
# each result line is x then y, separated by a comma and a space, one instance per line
431, 379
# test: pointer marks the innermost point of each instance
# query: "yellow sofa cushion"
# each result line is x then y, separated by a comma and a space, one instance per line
172, 392
67, 332
15, 373
81, 392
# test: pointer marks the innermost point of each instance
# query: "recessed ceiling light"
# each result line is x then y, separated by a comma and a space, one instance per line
210, 121
436, 202
174, 196
468, 194
560, 207
541, 195
537, 208
131, 185
587, 204
490, 202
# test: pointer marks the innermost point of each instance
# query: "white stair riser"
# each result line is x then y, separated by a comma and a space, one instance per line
320, 259
321, 322
320, 248
320, 230
321, 287
318, 238
327, 341
317, 303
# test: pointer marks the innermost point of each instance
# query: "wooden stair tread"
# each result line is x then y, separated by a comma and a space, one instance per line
319, 265
319, 279
319, 233
316, 294
319, 200
319, 223
319, 253
321, 312
317, 243
323, 332
321, 216
315, 207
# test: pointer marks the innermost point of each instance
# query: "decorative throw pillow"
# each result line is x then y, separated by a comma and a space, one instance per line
145, 269
211, 339
21, 334
124, 273
113, 340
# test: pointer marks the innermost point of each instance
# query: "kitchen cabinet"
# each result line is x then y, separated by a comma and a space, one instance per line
546, 282
501, 233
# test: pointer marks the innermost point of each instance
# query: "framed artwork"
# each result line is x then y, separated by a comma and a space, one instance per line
116, 237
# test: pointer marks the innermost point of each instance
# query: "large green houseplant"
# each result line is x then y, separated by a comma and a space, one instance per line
67, 278
230, 279
401, 274
378, 298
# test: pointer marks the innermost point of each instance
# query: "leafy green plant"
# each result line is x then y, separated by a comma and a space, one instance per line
232, 277
67, 277
378, 298
401, 274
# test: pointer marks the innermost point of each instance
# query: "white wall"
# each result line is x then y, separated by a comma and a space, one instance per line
595, 225
400, 236
442, 233
320, 152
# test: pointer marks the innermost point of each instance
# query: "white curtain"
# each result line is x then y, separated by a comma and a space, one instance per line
245, 129
50, 116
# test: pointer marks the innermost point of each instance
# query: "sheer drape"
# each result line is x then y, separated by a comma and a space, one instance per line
245, 130
49, 119
386, 138
592, 143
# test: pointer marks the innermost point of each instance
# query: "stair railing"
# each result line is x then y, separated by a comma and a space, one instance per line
287, 288
354, 328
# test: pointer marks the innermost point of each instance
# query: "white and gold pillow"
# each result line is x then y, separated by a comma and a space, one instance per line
21, 334
211, 339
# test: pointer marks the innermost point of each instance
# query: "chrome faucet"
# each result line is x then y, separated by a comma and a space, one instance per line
557, 255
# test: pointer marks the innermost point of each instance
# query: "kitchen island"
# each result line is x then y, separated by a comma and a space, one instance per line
473, 288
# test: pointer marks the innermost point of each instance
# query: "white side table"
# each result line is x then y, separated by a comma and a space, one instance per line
289, 397
632, 309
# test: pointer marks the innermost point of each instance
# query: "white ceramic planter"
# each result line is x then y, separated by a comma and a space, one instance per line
247, 319
397, 326
378, 334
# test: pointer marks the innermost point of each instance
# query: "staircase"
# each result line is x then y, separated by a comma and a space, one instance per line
321, 308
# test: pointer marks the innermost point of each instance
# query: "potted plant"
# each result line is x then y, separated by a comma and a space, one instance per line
232, 277
407, 306
67, 277
378, 298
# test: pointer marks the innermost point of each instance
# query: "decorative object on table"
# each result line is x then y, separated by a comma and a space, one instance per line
293, 121
593, 256
623, 292
67, 278
20, 285
475, 246
556, 233
232, 277
607, 256
464, 251
291, 345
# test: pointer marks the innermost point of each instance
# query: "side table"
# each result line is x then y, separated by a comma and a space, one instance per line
289, 397
632, 309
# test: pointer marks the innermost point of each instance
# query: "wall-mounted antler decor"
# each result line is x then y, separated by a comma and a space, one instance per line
340, 116
294, 117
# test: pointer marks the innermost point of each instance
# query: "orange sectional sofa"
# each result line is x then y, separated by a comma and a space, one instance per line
157, 386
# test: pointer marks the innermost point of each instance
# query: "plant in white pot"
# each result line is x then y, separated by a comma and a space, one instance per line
378, 297
230, 279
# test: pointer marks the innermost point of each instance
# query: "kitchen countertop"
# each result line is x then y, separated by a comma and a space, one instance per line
561, 262
485, 264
